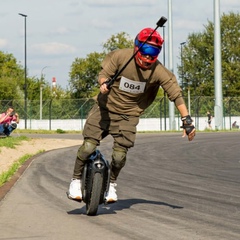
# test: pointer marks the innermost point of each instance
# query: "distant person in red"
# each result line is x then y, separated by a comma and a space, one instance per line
8, 121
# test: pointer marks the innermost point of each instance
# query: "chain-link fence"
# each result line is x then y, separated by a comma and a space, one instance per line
66, 109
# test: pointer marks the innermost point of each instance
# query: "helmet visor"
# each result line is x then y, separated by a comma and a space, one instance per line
147, 49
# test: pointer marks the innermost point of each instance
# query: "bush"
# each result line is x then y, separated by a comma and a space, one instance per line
60, 131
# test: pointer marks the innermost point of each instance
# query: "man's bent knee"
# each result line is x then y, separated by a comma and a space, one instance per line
119, 157
87, 148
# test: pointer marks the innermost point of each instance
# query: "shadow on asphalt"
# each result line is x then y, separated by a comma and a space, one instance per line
121, 205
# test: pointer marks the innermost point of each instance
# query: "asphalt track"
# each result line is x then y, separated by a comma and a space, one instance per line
170, 189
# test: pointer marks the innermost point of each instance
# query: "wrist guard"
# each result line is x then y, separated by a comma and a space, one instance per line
187, 120
187, 124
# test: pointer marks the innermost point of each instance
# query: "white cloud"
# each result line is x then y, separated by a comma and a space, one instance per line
53, 48
3, 42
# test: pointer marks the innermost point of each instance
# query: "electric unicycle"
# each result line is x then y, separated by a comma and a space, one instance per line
95, 182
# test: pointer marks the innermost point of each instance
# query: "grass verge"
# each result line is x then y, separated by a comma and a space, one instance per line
11, 142
5, 176
39, 131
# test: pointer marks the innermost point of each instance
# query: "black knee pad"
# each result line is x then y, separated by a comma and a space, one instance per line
119, 157
87, 148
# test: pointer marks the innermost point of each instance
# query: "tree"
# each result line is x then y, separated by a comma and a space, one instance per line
11, 77
198, 58
83, 75
118, 41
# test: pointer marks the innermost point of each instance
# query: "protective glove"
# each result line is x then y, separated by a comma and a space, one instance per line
188, 127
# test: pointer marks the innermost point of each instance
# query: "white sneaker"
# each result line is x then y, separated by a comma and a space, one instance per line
111, 195
75, 192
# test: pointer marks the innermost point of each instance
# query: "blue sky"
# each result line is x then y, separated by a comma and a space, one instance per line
58, 31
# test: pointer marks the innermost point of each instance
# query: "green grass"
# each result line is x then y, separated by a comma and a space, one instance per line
5, 176
39, 131
11, 142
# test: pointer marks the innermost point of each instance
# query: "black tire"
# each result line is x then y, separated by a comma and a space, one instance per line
92, 204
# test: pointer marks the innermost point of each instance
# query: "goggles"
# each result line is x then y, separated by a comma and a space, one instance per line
147, 49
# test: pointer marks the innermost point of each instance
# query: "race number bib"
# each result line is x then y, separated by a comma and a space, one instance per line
130, 86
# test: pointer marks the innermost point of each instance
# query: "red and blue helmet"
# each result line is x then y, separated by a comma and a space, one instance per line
148, 52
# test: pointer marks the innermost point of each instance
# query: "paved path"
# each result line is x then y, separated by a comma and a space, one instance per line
170, 189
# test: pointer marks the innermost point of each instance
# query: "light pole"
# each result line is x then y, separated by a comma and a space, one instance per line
165, 107
182, 43
41, 91
25, 67
218, 107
